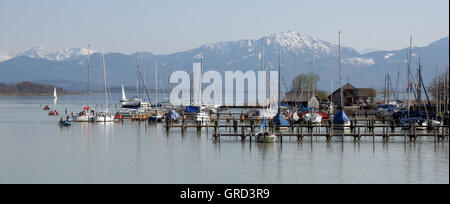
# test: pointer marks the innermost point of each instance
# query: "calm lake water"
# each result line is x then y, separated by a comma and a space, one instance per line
34, 149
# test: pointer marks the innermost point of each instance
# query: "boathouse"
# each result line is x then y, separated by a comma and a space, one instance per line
354, 96
305, 98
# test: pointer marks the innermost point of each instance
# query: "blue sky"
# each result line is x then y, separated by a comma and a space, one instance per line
175, 25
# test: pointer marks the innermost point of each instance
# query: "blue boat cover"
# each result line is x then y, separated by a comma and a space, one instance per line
279, 120
340, 118
264, 124
192, 109
173, 115
303, 108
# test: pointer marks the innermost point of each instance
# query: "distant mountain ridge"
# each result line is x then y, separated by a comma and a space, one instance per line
362, 70
28, 88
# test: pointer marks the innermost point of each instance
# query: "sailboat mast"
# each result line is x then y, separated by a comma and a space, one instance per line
170, 73
279, 79
264, 82
89, 74
104, 77
340, 70
312, 72
156, 82
419, 86
137, 76
201, 84
409, 75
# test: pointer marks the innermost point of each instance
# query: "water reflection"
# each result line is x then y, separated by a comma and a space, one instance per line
138, 152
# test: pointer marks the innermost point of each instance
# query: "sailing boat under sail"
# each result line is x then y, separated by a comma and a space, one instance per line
55, 100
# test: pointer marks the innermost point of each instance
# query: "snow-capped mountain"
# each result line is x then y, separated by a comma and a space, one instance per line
298, 43
362, 70
4, 55
41, 52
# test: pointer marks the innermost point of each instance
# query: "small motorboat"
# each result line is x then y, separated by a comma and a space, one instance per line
66, 122
202, 117
83, 117
418, 122
53, 113
105, 117
46, 108
265, 137
158, 118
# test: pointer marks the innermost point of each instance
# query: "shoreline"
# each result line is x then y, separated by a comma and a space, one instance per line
37, 94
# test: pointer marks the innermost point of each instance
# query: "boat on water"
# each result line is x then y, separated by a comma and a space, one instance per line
105, 116
55, 100
87, 115
156, 117
172, 116
341, 121
53, 113
387, 110
46, 107
314, 118
135, 105
66, 122
313, 103
203, 117
409, 122
418, 122
264, 136
196, 114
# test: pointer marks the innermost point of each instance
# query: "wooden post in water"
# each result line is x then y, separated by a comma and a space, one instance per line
183, 125
253, 130
216, 129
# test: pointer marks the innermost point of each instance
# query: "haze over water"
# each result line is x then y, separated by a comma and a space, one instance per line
34, 149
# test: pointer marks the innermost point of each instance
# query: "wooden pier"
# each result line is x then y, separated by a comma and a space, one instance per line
242, 129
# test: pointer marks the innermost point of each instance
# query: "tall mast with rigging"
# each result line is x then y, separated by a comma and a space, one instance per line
137, 76
340, 70
156, 82
89, 74
409, 75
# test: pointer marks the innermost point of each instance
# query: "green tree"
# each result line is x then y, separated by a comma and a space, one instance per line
305, 82
443, 87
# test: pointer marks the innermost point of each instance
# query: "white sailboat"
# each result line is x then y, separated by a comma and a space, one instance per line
271, 110
87, 115
105, 116
313, 117
203, 115
55, 96
135, 105
55, 100
340, 119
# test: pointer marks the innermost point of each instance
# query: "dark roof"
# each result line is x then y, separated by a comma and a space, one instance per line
298, 96
352, 91
365, 92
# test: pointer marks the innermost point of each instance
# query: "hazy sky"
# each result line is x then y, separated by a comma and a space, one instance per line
176, 25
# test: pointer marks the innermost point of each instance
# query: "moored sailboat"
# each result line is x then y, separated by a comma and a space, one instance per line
105, 116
